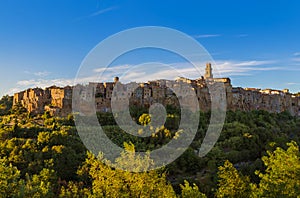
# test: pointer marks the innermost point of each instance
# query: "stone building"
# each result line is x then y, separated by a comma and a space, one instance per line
56, 100
34, 100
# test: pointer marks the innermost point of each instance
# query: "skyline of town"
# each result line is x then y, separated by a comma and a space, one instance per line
117, 97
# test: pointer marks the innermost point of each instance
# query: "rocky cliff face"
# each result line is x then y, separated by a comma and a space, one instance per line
275, 102
58, 101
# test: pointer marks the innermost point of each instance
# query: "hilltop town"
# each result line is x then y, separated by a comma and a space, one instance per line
58, 101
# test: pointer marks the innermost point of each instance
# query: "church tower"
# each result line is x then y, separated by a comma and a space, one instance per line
116, 79
208, 71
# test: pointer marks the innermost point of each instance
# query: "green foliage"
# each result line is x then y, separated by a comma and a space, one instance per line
18, 109
110, 182
188, 191
40, 185
9, 179
6, 103
106, 119
282, 175
232, 183
65, 150
136, 111
280, 179
43, 156
74, 190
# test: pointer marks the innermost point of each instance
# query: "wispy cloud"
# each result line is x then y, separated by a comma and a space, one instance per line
297, 59
255, 63
99, 12
42, 74
44, 82
296, 54
221, 69
39, 73
114, 68
206, 35
242, 68
292, 83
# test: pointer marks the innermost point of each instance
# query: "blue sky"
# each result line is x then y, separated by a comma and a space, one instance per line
43, 42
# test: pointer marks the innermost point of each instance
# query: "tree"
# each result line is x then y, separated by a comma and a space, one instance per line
188, 191
40, 185
6, 103
232, 183
74, 190
282, 175
18, 109
113, 182
9, 179
280, 179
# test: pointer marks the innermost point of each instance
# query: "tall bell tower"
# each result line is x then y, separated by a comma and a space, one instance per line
208, 71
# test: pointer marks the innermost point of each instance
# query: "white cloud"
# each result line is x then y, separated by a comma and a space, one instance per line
296, 59
39, 73
253, 63
206, 35
296, 54
11, 91
241, 68
44, 83
113, 68
99, 12
42, 74
102, 11
292, 83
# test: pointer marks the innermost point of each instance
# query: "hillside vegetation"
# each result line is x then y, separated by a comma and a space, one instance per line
257, 155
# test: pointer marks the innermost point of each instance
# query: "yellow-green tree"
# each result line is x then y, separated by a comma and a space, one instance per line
40, 185
188, 191
74, 190
280, 179
282, 175
112, 182
232, 183
9, 179
144, 119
